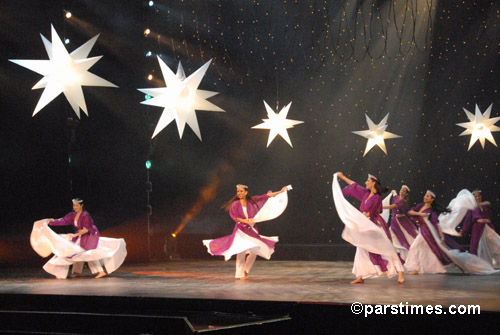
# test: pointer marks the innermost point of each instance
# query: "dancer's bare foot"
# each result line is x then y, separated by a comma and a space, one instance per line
414, 272
245, 277
76, 274
383, 274
401, 277
100, 275
358, 281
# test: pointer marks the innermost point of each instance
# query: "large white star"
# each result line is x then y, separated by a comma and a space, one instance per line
480, 126
277, 124
64, 73
376, 134
180, 98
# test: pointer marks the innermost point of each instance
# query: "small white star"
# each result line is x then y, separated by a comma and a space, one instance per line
277, 124
480, 126
64, 73
376, 134
180, 98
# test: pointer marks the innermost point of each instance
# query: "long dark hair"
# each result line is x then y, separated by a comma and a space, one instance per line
228, 204
378, 186
439, 208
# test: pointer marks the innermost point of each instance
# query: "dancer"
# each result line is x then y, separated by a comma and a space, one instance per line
403, 230
484, 242
375, 254
245, 241
425, 254
430, 253
85, 245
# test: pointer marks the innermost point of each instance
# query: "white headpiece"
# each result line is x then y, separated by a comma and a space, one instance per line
405, 188
373, 177
77, 200
241, 185
476, 191
431, 193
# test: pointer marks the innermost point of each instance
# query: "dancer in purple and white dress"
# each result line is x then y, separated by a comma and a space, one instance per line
431, 252
245, 241
375, 254
103, 254
484, 242
403, 230
425, 253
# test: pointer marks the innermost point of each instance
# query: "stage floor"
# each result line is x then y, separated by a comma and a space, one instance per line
285, 281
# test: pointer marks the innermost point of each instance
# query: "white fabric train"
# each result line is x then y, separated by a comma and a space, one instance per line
110, 251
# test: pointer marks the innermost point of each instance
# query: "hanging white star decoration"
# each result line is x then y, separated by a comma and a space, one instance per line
376, 134
64, 73
277, 124
180, 98
480, 126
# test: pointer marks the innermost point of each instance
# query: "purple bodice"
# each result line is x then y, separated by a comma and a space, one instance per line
89, 240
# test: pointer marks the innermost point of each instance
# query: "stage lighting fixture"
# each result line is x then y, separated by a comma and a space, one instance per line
147, 31
174, 235
148, 164
150, 77
66, 41
151, 3
148, 54
68, 14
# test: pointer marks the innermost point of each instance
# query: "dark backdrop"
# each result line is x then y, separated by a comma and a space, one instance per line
336, 61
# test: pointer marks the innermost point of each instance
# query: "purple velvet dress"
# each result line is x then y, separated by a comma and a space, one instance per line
373, 206
400, 221
481, 212
219, 245
89, 240
427, 234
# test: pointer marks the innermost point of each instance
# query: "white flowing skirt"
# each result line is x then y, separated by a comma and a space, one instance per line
489, 246
111, 252
419, 257
245, 243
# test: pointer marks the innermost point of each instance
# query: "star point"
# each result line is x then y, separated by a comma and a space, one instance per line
180, 98
376, 134
278, 124
480, 126
64, 73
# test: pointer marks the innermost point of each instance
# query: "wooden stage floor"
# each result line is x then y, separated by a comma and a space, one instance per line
317, 288
297, 281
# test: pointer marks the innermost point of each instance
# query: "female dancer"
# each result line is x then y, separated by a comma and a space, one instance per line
485, 242
431, 251
425, 254
369, 264
403, 230
245, 239
85, 245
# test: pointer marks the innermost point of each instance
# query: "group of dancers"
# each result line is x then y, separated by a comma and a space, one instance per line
418, 239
